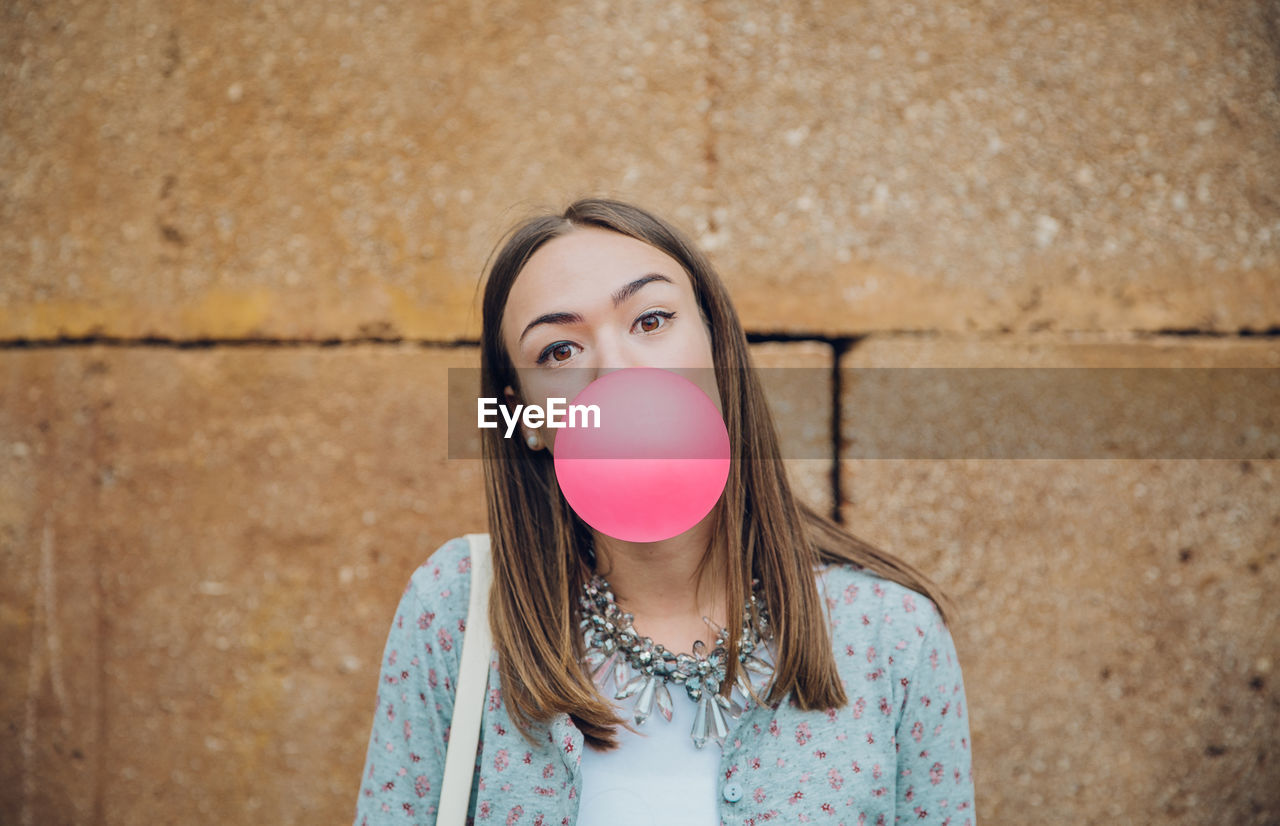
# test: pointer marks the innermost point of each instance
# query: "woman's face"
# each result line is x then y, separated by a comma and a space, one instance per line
593, 301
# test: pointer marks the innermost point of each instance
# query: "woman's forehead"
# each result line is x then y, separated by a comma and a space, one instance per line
595, 257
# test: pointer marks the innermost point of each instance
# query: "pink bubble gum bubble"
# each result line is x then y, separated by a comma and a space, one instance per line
655, 466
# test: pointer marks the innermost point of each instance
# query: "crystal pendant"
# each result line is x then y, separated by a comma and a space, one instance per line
663, 697
630, 688
743, 687
719, 726
731, 706
620, 672
709, 723
699, 733
595, 658
601, 668
644, 703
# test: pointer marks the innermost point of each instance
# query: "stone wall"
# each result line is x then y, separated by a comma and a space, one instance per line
240, 247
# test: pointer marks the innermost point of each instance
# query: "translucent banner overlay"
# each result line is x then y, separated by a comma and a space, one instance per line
973, 413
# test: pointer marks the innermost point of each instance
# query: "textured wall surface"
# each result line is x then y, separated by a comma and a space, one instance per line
1115, 619
201, 556
239, 250
312, 170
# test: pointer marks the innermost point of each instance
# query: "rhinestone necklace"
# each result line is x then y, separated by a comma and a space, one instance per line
643, 668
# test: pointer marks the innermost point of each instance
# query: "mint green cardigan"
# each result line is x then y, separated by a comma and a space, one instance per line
898, 751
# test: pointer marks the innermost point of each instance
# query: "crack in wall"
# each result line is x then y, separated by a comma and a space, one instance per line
753, 337
710, 155
839, 347
45, 665
210, 343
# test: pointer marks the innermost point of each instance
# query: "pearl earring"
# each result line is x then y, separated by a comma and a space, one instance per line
533, 442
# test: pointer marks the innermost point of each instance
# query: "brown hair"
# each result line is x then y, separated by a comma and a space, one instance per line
540, 546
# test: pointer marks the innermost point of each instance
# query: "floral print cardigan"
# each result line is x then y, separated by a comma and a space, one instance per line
898, 752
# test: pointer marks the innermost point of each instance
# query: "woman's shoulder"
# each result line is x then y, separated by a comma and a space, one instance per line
850, 589
444, 579
876, 620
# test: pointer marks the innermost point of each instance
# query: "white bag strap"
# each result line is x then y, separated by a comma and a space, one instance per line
468, 700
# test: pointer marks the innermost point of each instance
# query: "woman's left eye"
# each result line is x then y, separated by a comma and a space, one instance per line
654, 315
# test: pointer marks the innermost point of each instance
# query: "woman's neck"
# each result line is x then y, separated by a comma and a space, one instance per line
657, 583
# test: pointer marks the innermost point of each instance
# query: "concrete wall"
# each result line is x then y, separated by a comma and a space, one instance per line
239, 249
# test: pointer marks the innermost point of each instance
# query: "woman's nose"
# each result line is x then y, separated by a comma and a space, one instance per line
614, 354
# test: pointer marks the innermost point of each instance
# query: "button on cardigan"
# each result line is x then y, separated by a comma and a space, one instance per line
898, 751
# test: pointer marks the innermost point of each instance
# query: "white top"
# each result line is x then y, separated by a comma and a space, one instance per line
653, 778
656, 777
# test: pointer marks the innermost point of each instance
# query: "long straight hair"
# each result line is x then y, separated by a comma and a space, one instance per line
541, 548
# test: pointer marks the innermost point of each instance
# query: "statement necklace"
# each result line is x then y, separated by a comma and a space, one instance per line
643, 668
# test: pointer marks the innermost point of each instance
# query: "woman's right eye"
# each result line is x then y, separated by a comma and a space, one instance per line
553, 352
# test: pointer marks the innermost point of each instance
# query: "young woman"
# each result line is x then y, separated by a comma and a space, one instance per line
764, 665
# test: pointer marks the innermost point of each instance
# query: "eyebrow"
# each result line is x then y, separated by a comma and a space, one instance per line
618, 297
